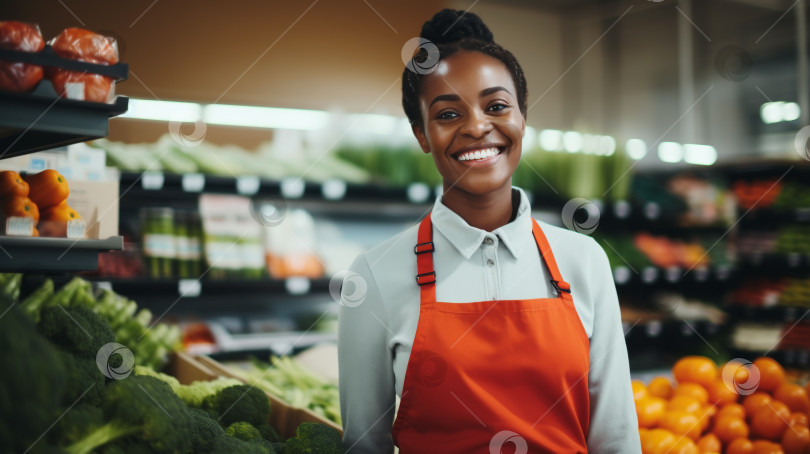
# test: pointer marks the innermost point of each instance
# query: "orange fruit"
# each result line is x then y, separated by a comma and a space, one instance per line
684, 403
649, 410
736, 376
771, 374
721, 394
740, 446
695, 369
639, 390
798, 419
657, 440
705, 415
756, 401
684, 446
660, 387
770, 421
766, 447
734, 409
710, 443
794, 396
681, 422
796, 440
727, 428
693, 389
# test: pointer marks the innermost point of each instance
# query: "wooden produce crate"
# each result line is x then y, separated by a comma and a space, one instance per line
284, 418
186, 369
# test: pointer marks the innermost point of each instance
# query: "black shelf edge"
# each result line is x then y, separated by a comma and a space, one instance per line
778, 313
652, 275
20, 254
47, 57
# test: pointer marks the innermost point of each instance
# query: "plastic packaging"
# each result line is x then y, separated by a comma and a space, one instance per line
86, 46
16, 76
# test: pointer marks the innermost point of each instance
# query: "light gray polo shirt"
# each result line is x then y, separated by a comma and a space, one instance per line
380, 312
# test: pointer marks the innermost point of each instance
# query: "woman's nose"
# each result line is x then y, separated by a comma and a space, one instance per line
477, 124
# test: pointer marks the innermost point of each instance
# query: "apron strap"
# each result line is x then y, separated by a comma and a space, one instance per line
426, 276
563, 288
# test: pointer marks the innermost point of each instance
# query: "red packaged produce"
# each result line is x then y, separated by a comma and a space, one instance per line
83, 45
17, 76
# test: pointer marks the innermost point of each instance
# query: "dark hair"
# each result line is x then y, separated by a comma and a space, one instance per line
454, 31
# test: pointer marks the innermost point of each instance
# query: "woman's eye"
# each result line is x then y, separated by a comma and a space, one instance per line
447, 115
497, 107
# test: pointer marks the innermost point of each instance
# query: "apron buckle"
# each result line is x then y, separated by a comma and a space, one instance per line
422, 248
421, 281
561, 286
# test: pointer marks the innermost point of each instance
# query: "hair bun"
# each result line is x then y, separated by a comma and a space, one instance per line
449, 25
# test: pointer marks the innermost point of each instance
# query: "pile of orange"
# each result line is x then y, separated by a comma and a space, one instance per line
41, 196
734, 409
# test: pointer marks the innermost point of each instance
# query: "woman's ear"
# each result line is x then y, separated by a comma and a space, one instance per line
420, 137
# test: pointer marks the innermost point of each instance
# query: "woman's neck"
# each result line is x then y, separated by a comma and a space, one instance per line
483, 211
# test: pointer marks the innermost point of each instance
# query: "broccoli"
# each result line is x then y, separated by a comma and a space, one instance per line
243, 431
144, 408
78, 422
33, 303
206, 430
76, 329
195, 393
230, 445
239, 403
315, 438
31, 384
269, 433
82, 378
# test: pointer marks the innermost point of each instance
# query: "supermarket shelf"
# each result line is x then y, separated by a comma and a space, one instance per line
47, 57
41, 120
787, 358
191, 288
53, 254
625, 276
767, 217
781, 314
776, 262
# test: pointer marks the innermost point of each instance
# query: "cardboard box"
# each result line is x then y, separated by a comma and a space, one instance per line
284, 418
186, 369
97, 204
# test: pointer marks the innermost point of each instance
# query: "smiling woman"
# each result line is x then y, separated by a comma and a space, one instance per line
498, 332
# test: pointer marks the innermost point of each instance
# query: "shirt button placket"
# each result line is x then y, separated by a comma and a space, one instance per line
491, 272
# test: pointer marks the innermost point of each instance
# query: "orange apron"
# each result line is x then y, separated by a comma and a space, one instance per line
507, 376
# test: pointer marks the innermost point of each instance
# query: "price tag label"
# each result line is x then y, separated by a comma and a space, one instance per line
292, 188
686, 330
673, 274
621, 274
654, 328
622, 209
418, 192
189, 288
76, 228
701, 274
247, 185
333, 189
723, 272
649, 275
790, 314
104, 285
652, 210
803, 214
193, 182
152, 181
793, 259
17, 226
297, 285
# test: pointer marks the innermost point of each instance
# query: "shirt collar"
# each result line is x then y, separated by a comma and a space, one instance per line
466, 239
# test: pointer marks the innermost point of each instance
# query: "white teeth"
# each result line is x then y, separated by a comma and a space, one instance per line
478, 154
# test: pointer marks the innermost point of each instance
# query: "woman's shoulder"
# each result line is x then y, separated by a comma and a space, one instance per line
562, 237
393, 252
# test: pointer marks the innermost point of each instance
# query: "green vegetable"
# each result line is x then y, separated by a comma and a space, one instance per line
144, 408
317, 438
195, 393
33, 303
206, 430
243, 431
239, 403
82, 378
31, 384
10, 287
76, 329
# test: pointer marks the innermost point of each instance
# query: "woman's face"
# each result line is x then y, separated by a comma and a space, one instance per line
472, 123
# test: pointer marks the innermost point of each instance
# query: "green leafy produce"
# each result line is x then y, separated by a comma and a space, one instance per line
10, 287
31, 384
315, 438
77, 329
293, 384
82, 378
243, 431
195, 393
239, 403
206, 430
142, 407
32, 304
